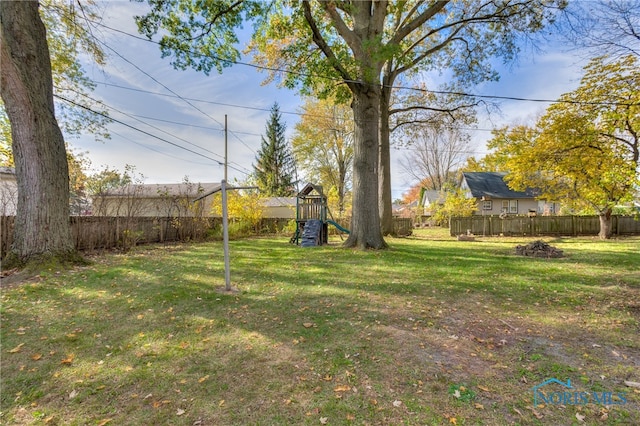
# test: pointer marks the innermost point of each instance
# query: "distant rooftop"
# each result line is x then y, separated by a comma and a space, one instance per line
492, 184
165, 189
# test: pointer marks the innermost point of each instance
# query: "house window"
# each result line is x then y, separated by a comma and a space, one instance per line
510, 206
487, 204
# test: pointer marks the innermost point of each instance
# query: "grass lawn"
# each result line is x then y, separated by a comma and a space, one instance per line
433, 331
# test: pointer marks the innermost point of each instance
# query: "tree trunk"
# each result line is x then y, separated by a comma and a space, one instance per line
42, 229
365, 221
606, 229
384, 166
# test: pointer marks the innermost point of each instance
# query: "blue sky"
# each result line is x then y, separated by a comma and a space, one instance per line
137, 68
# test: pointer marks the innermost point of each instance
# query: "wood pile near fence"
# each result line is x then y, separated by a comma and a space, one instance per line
541, 225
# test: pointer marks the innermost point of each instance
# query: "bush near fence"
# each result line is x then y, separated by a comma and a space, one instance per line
541, 225
92, 233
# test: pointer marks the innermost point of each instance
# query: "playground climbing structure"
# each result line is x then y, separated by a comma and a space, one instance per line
311, 217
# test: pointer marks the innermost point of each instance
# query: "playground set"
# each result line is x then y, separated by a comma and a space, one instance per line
312, 224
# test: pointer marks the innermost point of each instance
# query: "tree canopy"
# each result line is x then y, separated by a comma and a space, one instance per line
323, 146
341, 48
585, 150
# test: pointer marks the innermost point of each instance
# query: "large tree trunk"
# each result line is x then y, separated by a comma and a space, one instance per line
365, 220
42, 222
606, 230
384, 166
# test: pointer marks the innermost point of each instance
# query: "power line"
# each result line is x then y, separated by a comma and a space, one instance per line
201, 100
170, 90
154, 150
144, 132
416, 89
152, 126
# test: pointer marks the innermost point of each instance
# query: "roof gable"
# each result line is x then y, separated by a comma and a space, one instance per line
159, 190
492, 185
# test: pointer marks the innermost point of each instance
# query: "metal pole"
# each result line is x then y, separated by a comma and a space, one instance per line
225, 148
225, 235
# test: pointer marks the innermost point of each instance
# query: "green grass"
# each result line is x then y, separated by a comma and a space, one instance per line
325, 334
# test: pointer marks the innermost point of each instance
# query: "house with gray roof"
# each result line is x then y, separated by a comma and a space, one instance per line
494, 197
156, 200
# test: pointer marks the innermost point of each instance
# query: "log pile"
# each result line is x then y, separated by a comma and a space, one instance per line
538, 249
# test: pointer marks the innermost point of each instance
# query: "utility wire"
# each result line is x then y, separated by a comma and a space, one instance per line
155, 150
415, 89
151, 125
144, 132
170, 90
204, 101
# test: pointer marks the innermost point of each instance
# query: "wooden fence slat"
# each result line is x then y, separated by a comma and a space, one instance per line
105, 232
541, 225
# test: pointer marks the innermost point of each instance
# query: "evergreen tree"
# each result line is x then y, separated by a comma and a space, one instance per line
275, 166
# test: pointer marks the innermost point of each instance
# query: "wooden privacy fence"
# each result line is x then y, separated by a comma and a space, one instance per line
105, 232
542, 225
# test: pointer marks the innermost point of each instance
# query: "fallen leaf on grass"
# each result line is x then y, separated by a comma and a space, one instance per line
308, 324
73, 394
478, 406
453, 420
104, 422
180, 412
483, 388
202, 379
68, 360
36, 357
342, 388
397, 403
580, 417
324, 420
16, 349
537, 414
632, 384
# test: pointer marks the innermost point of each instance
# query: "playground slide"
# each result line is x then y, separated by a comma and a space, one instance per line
340, 228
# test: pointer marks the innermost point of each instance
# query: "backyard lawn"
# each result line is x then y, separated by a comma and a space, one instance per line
433, 331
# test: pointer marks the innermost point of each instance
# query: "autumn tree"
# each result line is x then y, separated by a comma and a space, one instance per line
40, 59
114, 192
275, 170
436, 156
79, 201
498, 159
324, 43
323, 146
456, 204
6, 154
42, 230
586, 148
245, 208
68, 39
600, 27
